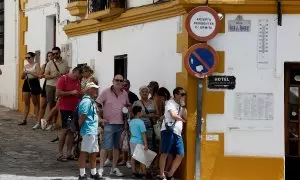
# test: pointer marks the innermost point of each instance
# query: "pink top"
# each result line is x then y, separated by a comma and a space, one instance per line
112, 105
65, 83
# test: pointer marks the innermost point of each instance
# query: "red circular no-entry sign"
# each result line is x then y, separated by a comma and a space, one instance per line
203, 23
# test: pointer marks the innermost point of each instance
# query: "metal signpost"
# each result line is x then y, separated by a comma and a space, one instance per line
202, 24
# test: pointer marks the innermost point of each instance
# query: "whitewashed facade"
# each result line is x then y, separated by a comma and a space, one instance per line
151, 50
9, 77
144, 44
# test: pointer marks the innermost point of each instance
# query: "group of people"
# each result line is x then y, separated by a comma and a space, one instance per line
75, 95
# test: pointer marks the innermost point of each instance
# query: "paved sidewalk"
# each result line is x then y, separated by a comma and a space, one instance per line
26, 154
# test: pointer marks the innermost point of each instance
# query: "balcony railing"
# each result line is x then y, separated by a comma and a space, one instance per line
100, 5
70, 1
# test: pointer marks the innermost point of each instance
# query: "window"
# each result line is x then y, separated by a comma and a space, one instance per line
1, 32
121, 65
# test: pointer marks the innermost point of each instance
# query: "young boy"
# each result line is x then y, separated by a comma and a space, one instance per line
88, 123
138, 136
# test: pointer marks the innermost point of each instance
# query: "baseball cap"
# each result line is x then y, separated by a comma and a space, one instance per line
91, 85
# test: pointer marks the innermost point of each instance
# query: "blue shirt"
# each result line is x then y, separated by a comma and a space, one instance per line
87, 106
137, 127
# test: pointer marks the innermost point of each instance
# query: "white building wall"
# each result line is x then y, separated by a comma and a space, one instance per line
151, 50
146, 45
39, 12
267, 138
8, 79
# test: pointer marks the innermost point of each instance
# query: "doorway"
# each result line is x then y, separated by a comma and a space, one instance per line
50, 32
121, 65
292, 120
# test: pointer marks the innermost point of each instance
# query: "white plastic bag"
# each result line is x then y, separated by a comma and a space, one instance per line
157, 128
142, 156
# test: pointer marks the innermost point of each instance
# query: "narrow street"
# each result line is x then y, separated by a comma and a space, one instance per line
26, 154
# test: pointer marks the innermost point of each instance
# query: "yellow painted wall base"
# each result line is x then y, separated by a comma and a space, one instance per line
216, 166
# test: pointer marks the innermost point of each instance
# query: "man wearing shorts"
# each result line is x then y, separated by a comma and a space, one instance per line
171, 139
112, 100
53, 71
68, 90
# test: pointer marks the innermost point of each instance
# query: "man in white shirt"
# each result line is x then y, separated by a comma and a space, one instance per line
171, 139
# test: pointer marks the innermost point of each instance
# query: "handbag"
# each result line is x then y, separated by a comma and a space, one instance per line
124, 141
157, 128
152, 125
171, 127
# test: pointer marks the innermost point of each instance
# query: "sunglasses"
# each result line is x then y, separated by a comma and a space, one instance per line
27, 57
183, 94
119, 80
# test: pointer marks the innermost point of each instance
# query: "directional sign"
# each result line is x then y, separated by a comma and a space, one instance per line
201, 60
203, 23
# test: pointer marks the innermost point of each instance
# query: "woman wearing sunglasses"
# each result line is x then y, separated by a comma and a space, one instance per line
31, 87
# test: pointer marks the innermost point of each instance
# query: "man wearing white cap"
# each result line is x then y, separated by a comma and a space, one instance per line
88, 123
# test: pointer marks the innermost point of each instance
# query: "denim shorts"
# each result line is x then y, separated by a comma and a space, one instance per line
112, 135
171, 143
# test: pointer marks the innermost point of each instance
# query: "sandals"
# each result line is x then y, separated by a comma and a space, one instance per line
121, 163
137, 175
169, 178
161, 178
71, 158
61, 159
23, 123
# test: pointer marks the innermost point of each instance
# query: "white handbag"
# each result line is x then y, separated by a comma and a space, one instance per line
157, 128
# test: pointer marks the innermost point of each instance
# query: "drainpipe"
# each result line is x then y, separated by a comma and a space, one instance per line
279, 65
16, 58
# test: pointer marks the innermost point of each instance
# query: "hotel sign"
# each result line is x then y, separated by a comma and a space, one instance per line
239, 25
221, 82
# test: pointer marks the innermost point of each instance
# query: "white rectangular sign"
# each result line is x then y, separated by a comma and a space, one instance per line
254, 106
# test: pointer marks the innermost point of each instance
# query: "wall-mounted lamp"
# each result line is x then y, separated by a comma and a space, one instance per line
221, 16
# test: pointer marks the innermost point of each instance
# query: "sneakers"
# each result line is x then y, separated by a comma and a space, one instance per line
128, 164
100, 172
36, 126
116, 172
49, 127
54, 140
43, 124
107, 163
96, 176
83, 177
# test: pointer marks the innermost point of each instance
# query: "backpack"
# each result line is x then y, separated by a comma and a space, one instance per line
74, 124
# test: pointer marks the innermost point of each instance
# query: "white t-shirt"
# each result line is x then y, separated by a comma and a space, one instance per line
172, 105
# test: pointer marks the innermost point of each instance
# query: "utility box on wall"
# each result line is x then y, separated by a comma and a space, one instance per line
66, 53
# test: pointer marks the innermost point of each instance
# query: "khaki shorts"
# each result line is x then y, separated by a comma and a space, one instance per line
50, 94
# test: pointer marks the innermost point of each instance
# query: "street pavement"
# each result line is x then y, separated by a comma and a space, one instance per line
27, 154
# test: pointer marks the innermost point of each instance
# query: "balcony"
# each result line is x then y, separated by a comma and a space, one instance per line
106, 15
105, 9
77, 7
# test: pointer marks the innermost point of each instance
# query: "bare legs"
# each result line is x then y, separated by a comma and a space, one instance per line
26, 96
43, 108
36, 103
175, 164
